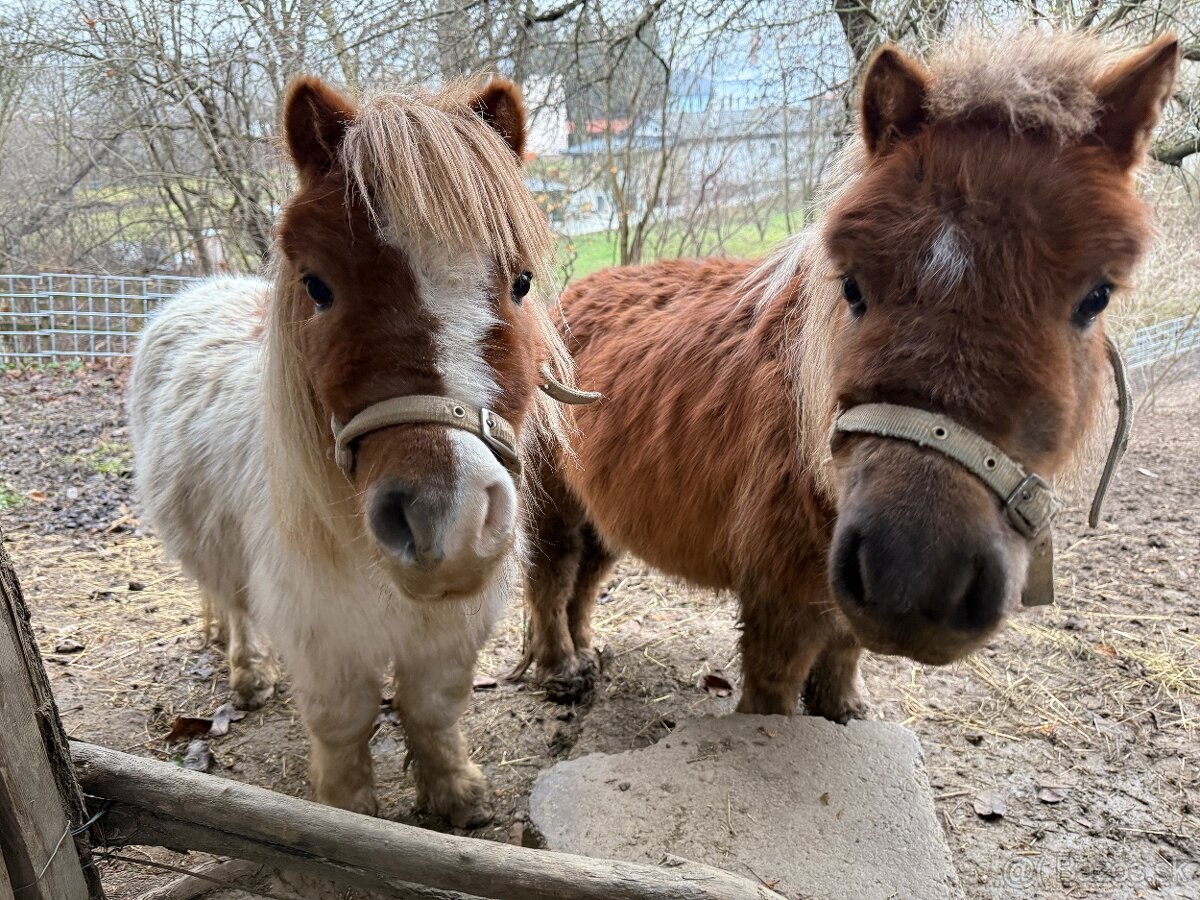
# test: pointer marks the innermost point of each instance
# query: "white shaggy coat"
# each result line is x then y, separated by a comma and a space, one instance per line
201, 433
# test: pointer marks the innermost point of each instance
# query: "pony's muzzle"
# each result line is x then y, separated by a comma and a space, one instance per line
932, 580
443, 536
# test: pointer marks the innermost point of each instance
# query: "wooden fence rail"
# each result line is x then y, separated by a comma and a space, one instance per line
156, 803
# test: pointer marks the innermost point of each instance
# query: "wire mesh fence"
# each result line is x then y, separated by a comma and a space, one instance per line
1163, 340
60, 317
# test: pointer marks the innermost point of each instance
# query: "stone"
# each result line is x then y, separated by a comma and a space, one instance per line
812, 808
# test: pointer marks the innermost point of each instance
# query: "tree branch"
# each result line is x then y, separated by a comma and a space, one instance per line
1174, 153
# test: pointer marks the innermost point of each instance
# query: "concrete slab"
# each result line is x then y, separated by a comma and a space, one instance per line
830, 811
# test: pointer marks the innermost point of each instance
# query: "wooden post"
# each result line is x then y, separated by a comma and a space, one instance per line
40, 801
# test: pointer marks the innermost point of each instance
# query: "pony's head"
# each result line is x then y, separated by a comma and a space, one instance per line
992, 219
411, 261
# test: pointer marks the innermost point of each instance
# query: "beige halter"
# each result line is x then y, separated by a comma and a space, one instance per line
426, 409
1029, 502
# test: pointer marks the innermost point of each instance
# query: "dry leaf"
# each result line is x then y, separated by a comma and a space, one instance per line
38, 496
1052, 793
198, 756
483, 683
68, 645
825, 799
763, 730
717, 686
225, 714
187, 727
989, 805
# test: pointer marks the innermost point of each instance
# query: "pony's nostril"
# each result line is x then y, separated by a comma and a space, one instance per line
982, 603
498, 520
391, 525
848, 579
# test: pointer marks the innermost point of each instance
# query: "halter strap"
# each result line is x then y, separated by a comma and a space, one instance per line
1029, 502
429, 409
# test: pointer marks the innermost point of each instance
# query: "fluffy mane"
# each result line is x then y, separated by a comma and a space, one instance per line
1034, 80
432, 174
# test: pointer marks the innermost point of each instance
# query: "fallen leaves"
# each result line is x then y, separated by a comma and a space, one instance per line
990, 805
484, 683
1052, 793
716, 686
225, 714
198, 756
188, 727
68, 645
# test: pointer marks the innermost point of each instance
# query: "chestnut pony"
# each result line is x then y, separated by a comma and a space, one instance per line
962, 267
334, 453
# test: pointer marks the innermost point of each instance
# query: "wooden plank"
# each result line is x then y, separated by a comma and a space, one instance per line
160, 803
38, 794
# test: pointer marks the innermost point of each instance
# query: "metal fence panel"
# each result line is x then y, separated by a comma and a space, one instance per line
1163, 340
53, 317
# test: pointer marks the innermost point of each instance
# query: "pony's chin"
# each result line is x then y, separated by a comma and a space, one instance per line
923, 642
444, 583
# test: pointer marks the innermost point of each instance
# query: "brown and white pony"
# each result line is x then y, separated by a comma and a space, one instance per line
402, 268
963, 266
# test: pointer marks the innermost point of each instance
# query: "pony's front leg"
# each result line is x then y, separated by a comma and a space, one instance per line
432, 690
835, 688
782, 637
339, 708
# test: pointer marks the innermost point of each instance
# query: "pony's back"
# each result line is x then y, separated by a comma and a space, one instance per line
196, 377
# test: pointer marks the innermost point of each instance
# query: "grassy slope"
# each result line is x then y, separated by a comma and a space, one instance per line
592, 252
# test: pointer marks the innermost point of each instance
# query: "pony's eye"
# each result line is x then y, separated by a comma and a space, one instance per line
521, 286
318, 290
853, 295
1092, 305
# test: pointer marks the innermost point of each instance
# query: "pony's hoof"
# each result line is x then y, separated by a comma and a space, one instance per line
361, 801
459, 797
251, 688
574, 681
841, 709
472, 815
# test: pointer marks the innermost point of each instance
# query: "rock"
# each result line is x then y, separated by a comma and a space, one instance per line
830, 811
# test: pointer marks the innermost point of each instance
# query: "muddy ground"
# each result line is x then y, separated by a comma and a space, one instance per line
1083, 716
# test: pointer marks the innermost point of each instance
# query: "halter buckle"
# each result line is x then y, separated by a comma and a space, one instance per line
506, 453
1031, 506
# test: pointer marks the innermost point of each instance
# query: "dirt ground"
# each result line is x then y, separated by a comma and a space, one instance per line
1083, 716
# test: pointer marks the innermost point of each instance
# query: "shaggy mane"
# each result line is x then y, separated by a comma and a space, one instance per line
1034, 80
428, 167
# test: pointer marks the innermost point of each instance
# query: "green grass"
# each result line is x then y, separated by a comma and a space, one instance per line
107, 458
9, 499
592, 252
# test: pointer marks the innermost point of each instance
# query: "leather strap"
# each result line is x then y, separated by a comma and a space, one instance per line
1028, 501
425, 409
555, 389
428, 409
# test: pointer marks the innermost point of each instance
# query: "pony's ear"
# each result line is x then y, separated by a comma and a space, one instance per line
500, 105
315, 118
1132, 96
893, 100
